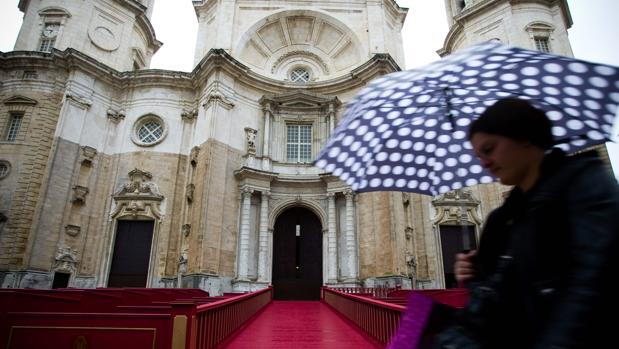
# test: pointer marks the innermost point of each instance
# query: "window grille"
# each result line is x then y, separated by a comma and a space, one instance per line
299, 76
14, 125
299, 143
47, 45
541, 44
150, 132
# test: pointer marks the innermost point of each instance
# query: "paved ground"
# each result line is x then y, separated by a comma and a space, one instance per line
299, 325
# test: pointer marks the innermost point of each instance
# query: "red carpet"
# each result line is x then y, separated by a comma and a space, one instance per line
299, 325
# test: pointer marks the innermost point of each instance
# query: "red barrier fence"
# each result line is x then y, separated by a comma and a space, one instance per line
376, 292
379, 317
376, 318
219, 320
122, 318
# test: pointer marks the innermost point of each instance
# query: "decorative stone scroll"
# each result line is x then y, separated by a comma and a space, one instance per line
139, 197
193, 156
78, 100
66, 260
456, 207
115, 115
189, 115
217, 97
88, 155
79, 194
72, 230
186, 229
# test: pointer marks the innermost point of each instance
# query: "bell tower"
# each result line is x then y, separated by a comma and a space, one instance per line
116, 33
532, 24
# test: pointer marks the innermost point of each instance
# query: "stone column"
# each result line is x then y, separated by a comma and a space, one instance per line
244, 236
332, 241
263, 239
331, 118
351, 246
266, 154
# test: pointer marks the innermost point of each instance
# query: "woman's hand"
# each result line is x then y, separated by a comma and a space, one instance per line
464, 267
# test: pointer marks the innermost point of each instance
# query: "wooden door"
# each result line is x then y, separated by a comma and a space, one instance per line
297, 255
131, 255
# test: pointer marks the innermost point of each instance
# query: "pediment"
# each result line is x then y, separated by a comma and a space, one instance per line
20, 100
299, 99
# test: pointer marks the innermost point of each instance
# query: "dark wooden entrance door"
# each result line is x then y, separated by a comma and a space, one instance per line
131, 254
455, 239
297, 255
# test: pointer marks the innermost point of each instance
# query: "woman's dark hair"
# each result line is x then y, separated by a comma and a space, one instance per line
517, 119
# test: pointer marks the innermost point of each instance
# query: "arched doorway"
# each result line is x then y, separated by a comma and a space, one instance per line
297, 255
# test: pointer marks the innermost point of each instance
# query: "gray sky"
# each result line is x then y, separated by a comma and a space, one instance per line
593, 35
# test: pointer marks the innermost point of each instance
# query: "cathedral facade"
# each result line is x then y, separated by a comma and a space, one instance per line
114, 175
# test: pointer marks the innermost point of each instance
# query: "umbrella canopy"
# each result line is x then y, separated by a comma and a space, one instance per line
407, 131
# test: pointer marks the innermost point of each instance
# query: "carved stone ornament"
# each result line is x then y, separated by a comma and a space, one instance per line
72, 230
189, 115
79, 194
186, 229
115, 116
215, 96
193, 156
182, 261
78, 100
250, 136
189, 192
139, 197
456, 207
408, 232
88, 155
66, 260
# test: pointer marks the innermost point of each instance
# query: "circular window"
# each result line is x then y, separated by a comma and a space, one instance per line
299, 76
5, 168
149, 130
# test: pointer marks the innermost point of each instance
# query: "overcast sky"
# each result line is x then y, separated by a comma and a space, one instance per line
594, 34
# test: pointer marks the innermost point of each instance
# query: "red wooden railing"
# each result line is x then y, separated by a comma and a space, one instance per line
376, 318
376, 292
123, 318
219, 320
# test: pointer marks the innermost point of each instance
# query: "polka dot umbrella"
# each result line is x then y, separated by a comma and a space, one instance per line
407, 131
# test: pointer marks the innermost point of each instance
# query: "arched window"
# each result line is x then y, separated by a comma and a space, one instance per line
299, 76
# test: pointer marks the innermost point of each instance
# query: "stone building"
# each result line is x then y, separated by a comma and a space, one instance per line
112, 174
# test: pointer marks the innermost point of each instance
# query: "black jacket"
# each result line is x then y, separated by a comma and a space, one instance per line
558, 288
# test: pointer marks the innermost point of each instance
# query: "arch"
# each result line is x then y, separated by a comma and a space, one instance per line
318, 38
311, 205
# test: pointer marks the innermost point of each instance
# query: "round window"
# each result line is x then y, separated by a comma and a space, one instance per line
299, 76
149, 130
5, 168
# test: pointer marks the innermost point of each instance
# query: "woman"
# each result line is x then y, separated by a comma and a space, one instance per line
545, 273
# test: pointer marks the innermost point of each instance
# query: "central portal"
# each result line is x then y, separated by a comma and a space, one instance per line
297, 255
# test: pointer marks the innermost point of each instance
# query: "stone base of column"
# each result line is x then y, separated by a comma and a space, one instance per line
266, 164
213, 284
391, 281
240, 285
349, 282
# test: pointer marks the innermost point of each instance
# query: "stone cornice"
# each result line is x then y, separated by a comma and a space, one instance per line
144, 23
215, 59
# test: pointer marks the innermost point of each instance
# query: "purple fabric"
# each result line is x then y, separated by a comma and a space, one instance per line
427, 313
413, 322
